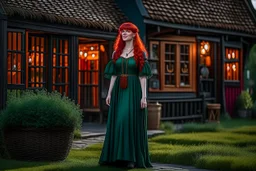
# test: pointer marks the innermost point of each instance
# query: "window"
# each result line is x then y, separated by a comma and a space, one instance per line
88, 75
173, 66
36, 61
60, 66
15, 55
232, 57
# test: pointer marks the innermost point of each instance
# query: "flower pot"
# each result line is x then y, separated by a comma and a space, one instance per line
244, 113
38, 144
154, 116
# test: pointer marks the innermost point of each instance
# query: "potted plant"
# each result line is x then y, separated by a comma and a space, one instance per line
244, 104
254, 110
39, 125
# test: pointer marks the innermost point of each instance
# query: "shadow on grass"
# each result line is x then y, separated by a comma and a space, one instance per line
13, 164
68, 165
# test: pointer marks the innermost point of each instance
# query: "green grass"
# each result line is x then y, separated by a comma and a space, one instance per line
223, 138
225, 147
198, 127
78, 160
236, 123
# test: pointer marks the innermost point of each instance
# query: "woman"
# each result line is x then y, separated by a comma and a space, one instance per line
126, 140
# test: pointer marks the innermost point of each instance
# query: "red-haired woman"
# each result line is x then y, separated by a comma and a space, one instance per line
126, 140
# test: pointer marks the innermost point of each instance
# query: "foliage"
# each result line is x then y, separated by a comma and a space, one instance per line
225, 116
252, 66
41, 109
168, 127
77, 134
200, 127
244, 101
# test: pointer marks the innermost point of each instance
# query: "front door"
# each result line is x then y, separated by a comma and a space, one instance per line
88, 77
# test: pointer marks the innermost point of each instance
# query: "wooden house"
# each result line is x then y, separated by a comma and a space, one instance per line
197, 50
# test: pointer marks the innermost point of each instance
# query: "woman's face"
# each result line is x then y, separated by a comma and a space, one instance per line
127, 35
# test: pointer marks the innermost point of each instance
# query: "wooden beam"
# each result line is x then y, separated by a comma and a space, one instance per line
3, 61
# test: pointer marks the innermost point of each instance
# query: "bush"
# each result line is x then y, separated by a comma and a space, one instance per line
77, 134
41, 109
168, 127
196, 127
244, 101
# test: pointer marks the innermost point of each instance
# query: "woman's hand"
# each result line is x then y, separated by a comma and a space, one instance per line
108, 100
143, 102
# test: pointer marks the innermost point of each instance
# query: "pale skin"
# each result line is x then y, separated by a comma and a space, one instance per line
128, 36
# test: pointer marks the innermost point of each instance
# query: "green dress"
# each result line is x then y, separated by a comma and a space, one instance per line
126, 136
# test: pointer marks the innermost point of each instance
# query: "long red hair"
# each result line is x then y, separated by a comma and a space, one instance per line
139, 47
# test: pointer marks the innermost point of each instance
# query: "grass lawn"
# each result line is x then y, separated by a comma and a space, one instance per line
226, 147
78, 160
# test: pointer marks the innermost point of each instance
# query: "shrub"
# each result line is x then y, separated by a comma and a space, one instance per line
77, 134
244, 101
168, 127
41, 109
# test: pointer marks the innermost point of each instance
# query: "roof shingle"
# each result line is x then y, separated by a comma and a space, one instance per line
104, 15
224, 14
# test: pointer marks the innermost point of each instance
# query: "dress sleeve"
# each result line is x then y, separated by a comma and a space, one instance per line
110, 69
146, 70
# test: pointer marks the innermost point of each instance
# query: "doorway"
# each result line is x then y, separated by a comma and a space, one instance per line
92, 58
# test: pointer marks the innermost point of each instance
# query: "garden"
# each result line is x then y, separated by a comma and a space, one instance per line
38, 128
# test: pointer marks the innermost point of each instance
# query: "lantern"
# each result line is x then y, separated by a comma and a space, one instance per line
208, 61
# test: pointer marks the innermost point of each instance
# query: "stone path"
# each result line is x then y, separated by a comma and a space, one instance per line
95, 133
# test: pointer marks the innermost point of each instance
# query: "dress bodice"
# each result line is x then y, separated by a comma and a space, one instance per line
126, 66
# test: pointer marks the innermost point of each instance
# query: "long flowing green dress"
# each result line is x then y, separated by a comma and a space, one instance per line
126, 136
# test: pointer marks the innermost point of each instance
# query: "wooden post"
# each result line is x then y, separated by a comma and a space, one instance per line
203, 108
3, 61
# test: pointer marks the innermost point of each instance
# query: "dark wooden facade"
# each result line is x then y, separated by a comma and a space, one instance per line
69, 55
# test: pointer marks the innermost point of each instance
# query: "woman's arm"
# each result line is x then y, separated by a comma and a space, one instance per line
112, 81
143, 83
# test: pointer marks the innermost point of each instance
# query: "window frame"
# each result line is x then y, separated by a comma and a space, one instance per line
178, 41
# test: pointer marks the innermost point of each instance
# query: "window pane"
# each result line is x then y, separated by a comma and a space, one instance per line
36, 65
60, 77
184, 65
231, 67
170, 61
14, 58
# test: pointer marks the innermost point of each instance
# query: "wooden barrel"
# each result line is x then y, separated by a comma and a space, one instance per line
154, 115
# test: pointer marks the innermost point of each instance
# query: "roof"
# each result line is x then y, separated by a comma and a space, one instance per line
231, 15
104, 15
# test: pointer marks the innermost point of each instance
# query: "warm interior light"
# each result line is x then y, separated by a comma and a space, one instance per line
81, 53
229, 56
234, 67
29, 60
93, 55
203, 51
206, 47
233, 55
92, 47
102, 48
228, 67
208, 61
85, 54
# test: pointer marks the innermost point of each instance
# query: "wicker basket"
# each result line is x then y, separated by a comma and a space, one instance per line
38, 144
